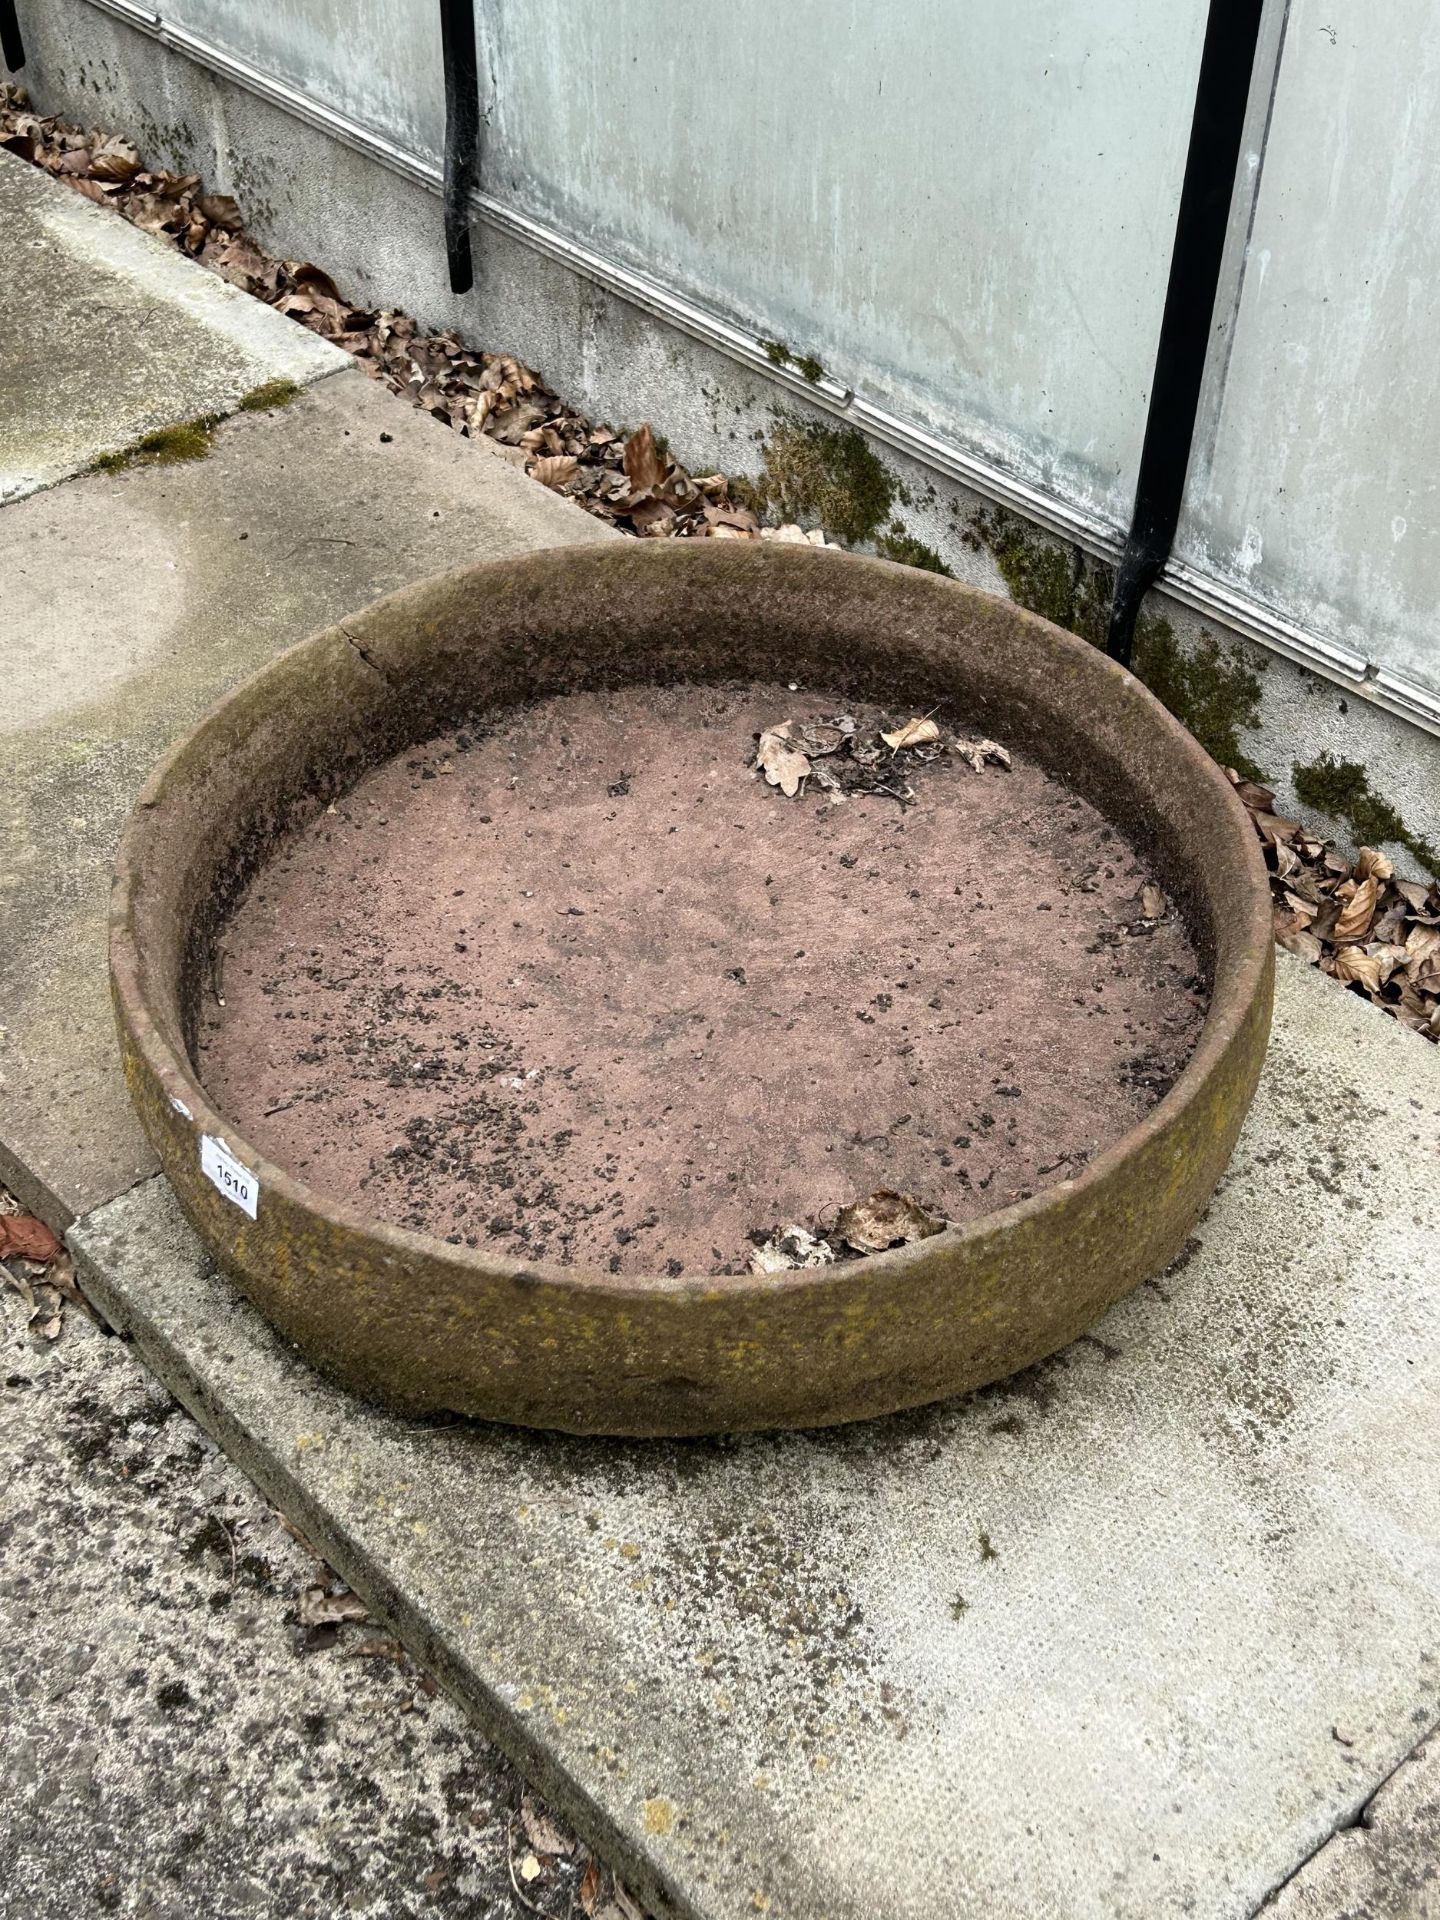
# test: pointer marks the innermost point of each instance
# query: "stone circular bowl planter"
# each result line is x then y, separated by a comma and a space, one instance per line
426, 1326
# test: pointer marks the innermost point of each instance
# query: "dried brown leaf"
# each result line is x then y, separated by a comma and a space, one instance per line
741, 518
977, 752
1353, 963
24, 1237
1273, 828
379, 1649
554, 470
644, 463
914, 733
782, 763
1302, 909
1354, 922
223, 210
116, 160
1304, 945
886, 1219
1387, 955
590, 1887
1257, 798
321, 1609
652, 517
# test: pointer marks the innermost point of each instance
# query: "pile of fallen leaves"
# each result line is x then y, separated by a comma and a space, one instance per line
844, 761
887, 1219
1352, 918
34, 1264
628, 480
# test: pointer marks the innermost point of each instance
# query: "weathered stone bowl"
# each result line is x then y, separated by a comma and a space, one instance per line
426, 1326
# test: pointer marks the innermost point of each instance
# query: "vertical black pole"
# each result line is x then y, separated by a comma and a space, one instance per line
462, 134
12, 47
1216, 131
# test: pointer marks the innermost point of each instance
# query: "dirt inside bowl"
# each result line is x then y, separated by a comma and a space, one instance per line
576, 982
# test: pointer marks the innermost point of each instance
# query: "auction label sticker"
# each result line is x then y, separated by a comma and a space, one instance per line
224, 1171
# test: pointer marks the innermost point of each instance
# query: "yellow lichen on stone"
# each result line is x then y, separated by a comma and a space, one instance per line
659, 1816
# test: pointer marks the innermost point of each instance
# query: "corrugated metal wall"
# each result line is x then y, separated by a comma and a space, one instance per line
1319, 488
965, 212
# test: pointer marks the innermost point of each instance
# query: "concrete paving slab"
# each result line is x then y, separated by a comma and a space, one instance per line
107, 333
179, 1745
1384, 1867
131, 603
1126, 1637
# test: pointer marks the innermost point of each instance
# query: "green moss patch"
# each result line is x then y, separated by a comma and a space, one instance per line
1342, 789
1048, 576
899, 545
190, 440
827, 475
1211, 689
805, 364
274, 393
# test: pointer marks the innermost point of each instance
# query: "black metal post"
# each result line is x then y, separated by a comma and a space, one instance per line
12, 47
462, 134
1222, 92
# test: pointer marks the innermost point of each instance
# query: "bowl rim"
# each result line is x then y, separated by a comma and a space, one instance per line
1230, 1004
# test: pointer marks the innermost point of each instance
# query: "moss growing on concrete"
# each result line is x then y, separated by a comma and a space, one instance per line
1211, 689
805, 364
1342, 789
274, 393
903, 547
827, 475
189, 440
1042, 574
1050, 577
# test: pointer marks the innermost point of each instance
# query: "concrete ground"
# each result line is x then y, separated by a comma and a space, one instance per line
177, 1741
1130, 1635
1384, 1867
74, 286
1140, 1633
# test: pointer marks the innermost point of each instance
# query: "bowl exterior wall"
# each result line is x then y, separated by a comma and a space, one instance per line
419, 1324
